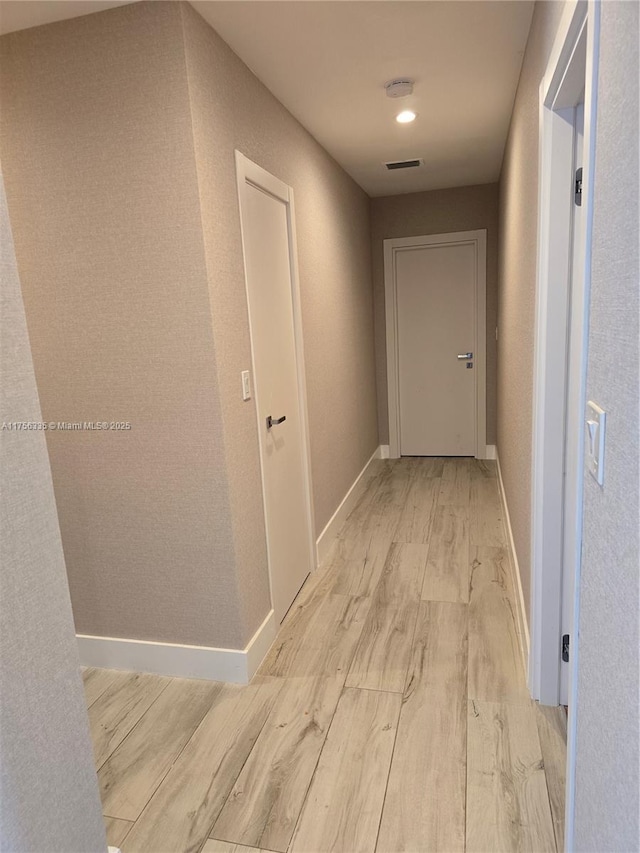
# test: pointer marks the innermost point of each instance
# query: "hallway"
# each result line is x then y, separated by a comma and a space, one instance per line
391, 713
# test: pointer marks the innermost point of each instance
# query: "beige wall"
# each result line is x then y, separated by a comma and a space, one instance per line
332, 220
48, 785
101, 183
435, 212
607, 748
608, 755
117, 140
517, 284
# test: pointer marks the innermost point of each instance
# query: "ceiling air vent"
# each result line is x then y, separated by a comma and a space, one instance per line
404, 164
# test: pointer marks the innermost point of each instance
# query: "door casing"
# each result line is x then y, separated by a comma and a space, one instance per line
399, 244
248, 172
560, 361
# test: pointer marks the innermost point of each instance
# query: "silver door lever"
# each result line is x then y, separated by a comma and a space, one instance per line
271, 422
465, 355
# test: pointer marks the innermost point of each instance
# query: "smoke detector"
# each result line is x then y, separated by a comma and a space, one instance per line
399, 88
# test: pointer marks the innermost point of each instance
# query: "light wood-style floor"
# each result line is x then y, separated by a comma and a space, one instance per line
390, 715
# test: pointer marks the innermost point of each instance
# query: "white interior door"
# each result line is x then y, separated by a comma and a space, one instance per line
436, 345
266, 216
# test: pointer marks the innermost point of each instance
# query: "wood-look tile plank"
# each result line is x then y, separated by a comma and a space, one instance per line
552, 731
394, 487
320, 639
267, 798
185, 806
447, 575
357, 564
425, 802
134, 770
495, 663
455, 484
317, 585
426, 466
507, 802
116, 830
382, 657
483, 469
486, 521
302, 612
343, 807
439, 656
118, 709
381, 514
358, 519
424, 807
357, 546
417, 514
214, 845
96, 680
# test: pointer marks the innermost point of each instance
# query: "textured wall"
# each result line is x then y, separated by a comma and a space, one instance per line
48, 786
232, 109
118, 139
517, 285
436, 212
607, 788
100, 170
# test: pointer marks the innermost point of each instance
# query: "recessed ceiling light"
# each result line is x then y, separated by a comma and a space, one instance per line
405, 116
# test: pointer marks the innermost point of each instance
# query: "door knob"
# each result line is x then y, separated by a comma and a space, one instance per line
465, 356
275, 421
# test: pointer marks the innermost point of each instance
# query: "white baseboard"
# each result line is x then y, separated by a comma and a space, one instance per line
332, 528
491, 452
258, 646
384, 451
233, 665
521, 614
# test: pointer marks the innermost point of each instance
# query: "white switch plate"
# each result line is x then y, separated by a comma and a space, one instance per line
596, 423
246, 385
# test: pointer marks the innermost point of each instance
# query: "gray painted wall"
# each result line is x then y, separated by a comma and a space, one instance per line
607, 788
48, 786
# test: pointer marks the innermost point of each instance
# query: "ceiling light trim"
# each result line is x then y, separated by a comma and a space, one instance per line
406, 117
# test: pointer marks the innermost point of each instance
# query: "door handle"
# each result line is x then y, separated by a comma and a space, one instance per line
465, 356
275, 421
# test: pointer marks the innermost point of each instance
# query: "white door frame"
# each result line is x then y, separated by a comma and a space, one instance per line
560, 359
248, 172
391, 249
556, 498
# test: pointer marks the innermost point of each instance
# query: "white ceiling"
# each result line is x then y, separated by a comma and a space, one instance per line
22, 14
328, 61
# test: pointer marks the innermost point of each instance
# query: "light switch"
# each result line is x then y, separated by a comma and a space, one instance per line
246, 385
596, 422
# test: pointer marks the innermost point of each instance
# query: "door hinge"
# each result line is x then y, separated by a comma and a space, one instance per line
578, 187
565, 648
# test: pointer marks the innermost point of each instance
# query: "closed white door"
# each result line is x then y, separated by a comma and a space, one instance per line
436, 347
265, 208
